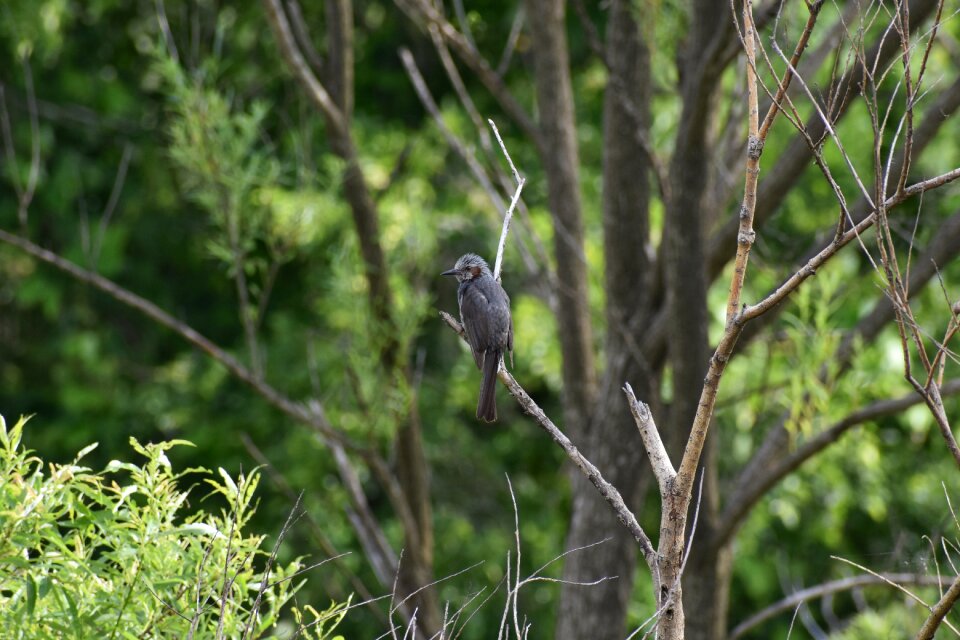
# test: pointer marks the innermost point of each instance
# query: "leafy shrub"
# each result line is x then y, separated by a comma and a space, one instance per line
116, 554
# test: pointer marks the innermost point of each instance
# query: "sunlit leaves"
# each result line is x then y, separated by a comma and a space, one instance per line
87, 554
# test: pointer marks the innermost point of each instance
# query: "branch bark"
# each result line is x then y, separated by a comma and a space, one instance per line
939, 611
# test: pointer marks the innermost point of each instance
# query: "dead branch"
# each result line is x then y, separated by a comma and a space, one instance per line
607, 490
659, 459
823, 590
939, 611
316, 419
423, 92
513, 203
752, 492
426, 14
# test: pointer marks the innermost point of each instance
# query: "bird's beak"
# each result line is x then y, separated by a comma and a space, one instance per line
451, 272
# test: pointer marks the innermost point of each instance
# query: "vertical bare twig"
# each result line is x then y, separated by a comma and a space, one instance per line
513, 203
746, 235
112, 202
26, 197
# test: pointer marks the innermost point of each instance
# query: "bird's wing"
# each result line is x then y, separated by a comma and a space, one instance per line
473, 306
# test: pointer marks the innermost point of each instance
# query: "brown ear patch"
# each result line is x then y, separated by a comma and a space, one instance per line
475, 272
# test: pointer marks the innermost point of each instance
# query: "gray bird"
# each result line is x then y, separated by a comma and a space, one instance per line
485, 314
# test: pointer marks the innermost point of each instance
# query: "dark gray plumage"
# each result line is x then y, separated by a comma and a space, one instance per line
485, 314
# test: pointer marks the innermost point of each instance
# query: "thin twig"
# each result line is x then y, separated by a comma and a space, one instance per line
513, 203
34, 175
112, 202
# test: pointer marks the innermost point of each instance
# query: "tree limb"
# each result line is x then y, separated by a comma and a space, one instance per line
939, 611
743, 501
607, 490
426, 14
315, 419
827, 588
659, 460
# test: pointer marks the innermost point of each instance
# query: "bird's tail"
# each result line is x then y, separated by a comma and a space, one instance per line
487, 405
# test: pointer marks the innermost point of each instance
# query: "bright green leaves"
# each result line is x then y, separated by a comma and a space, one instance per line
115, 554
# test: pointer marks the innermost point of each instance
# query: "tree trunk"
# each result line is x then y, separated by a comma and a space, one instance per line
560, 162
599, 611
686, 285
334, 99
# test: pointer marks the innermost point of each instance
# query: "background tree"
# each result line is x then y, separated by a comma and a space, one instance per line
322, 197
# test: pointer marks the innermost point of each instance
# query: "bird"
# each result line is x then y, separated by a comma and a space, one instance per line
485, 316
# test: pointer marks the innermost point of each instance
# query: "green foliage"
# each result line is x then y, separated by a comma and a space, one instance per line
35, 28
889, 622
117, 553
231, 172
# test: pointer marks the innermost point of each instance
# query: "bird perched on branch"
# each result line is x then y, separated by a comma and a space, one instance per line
485, 315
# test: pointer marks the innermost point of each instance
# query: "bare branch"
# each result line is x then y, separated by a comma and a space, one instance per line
315, 419
939, 611
790, 285
112, 202
743, 501
826, 589
377, 549
298, 25
420, 85
512, 39
513, 203
607, 490
659, 460
301, 69
425, 13
784, 85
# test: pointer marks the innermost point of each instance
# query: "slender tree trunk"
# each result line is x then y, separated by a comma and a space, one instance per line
709, 570
333, 95
599, 611
413, 473
686, 283
560, 162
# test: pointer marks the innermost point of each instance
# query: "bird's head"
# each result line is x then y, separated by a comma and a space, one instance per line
468, 267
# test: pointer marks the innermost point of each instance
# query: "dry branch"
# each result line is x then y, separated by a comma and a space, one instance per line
607, 490
826, 589
297, 411
659, 460
939, 611
426, 14
758, 487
